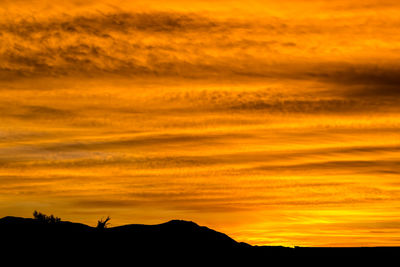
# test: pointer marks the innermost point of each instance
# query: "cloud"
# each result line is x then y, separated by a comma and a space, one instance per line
361, 80
39, 112
335, 166
34, 159
306, 106
202, 47
341, 99
143, 141
101, 24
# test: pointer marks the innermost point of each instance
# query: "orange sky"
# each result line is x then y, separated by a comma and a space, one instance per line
275, 122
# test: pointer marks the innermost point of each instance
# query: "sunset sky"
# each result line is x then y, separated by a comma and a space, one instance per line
275, 122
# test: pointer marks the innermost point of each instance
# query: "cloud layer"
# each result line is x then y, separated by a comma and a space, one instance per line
277, 123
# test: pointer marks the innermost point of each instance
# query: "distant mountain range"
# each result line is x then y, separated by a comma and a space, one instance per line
173, 241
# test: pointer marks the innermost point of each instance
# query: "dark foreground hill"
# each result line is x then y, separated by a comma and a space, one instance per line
179, 242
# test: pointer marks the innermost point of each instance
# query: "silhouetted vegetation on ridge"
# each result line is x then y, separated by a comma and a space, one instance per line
103, 224
44, 218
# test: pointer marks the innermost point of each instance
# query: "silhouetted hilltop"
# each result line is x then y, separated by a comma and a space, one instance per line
27, 225
176, 232
175, 240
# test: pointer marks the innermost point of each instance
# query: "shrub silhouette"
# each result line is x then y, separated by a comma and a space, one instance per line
102, 224
44, 218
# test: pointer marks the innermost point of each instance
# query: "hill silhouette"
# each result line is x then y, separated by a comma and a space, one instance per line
176, 241
175, 233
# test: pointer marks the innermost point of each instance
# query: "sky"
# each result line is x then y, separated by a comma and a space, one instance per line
275, 122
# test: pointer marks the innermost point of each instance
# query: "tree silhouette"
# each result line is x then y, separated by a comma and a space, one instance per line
102, 224
44, 218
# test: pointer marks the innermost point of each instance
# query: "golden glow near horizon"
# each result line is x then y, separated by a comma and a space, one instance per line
275, 122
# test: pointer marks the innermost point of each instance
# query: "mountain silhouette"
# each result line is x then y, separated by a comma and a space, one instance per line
177, 241
175, 233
